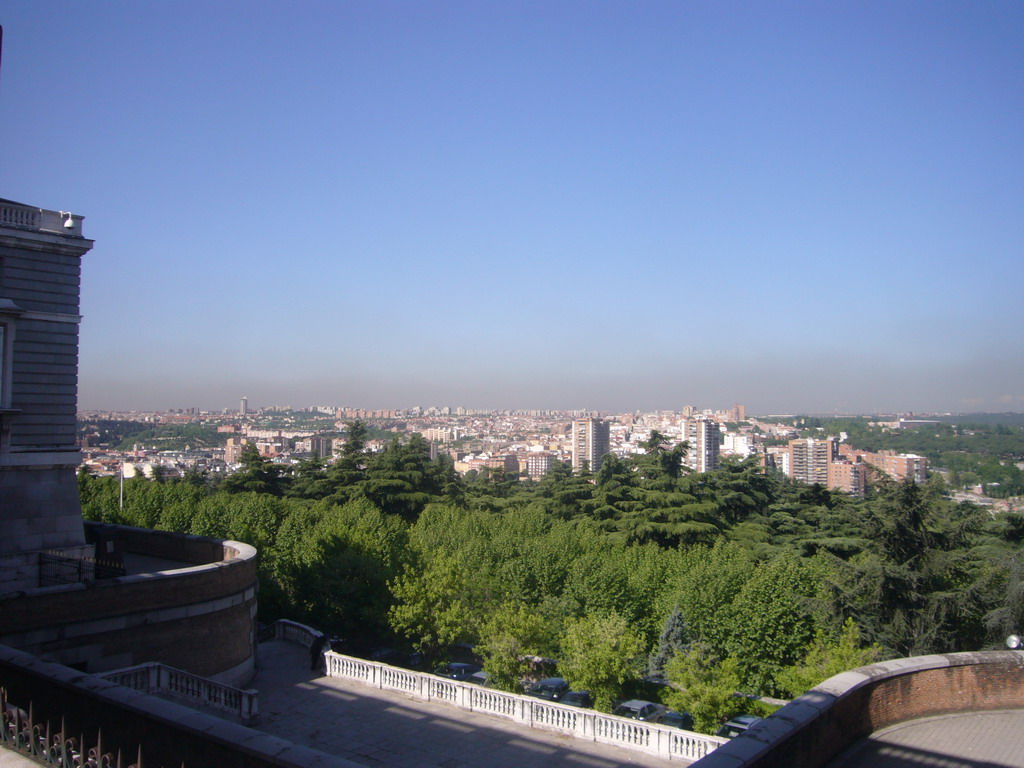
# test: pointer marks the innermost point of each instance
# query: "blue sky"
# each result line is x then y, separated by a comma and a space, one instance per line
610, 205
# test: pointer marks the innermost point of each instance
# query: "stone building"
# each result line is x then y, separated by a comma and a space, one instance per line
40, 263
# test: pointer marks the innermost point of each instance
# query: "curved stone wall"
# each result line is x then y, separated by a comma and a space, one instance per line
817, 726
200, 617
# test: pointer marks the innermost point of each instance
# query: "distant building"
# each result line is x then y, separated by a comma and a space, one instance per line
590, 443
848, 476
898, 466
809, 459
738, 444
538, 465
243, 406
233, 449
442, 434
703, 436
322, 447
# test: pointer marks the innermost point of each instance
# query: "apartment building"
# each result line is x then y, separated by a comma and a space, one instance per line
809, 459
703, 436
848, 476
898, 466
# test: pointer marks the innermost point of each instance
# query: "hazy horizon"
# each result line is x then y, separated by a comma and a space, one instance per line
569, 205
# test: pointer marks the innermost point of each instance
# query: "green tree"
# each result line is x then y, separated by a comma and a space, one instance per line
348, 469
599, 654
434, 604
402, 480
309, 479
706, 687
256, 474
674, 639
828, 657
511, 634
772, 621
341, 566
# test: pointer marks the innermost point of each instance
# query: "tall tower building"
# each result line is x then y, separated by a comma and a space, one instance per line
243, 406
590, 443
703, 436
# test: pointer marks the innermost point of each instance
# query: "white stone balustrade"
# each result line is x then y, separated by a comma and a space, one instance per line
293, 632
670, 743
154, 677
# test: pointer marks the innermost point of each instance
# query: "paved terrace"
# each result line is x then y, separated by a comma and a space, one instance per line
967, 740
383, 728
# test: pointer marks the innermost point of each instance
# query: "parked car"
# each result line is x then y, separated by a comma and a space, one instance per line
675, 719
550, 688
396, 658
578, 699
737, 725
456, 671
481, 678
386, 656
638, 709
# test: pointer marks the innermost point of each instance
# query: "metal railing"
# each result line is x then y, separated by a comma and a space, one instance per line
56, 569
153, 677
21, 733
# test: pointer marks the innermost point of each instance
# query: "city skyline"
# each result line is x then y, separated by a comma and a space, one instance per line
552, 206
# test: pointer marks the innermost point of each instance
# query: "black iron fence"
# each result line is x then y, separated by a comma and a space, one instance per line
56, 569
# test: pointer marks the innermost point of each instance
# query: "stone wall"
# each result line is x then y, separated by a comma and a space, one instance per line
811, 730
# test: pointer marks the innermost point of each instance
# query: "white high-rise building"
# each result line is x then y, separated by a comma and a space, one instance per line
703, 436
590, 443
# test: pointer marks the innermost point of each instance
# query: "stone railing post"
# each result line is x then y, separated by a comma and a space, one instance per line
249, 710
154, 673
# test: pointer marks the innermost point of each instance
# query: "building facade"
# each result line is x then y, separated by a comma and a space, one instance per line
809, 459
849, 477
40, 265
703, 436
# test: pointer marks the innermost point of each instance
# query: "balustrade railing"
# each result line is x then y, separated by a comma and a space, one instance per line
292, 631
19, 216
154, 677
670, 743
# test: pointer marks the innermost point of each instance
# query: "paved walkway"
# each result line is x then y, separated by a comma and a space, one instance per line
11, 759
384, 729
968, 740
